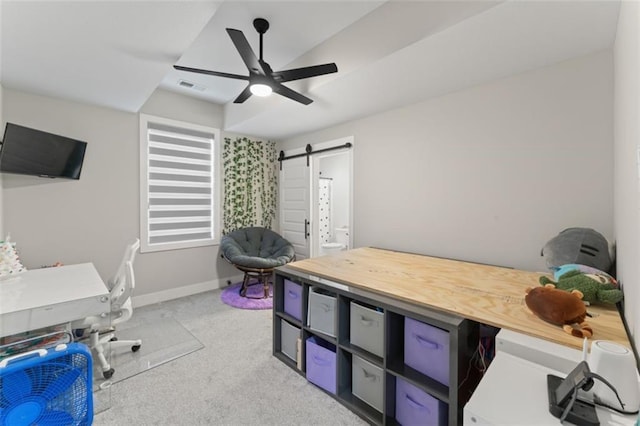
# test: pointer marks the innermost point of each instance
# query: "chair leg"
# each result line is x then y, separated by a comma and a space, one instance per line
263, 278
98, 348
245, 285
265, 283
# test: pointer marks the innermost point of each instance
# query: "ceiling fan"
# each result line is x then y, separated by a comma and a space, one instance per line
262, 79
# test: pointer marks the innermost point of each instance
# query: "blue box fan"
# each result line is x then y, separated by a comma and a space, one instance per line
47, 387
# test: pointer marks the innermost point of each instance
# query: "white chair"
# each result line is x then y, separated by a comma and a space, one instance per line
121, 288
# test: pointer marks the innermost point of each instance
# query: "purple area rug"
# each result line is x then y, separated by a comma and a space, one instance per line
254, 300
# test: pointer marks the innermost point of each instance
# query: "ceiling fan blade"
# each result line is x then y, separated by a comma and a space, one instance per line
216, 73
243, 96
245, 51
306, 72
291, 94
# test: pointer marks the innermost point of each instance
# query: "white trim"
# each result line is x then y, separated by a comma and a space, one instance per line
178, 292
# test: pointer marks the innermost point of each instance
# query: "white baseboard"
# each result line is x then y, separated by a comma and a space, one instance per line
187, 290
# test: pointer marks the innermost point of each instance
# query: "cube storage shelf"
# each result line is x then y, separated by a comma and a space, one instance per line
368, 350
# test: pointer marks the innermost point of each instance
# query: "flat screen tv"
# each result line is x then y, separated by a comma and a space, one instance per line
34, 152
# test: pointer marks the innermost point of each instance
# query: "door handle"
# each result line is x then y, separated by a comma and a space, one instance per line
306, 228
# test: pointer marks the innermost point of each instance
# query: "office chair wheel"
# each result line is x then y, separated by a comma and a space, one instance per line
107, 374
135, 348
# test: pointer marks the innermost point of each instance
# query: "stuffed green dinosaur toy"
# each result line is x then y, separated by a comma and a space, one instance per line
596, 288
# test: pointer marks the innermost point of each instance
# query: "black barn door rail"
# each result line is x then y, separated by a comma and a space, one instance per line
308, 152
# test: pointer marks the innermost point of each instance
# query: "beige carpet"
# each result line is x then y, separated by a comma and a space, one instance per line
233, 380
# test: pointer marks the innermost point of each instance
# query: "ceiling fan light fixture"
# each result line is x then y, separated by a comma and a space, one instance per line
260, 89
262, 79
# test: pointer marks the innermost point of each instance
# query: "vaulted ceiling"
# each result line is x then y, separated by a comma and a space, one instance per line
389, 54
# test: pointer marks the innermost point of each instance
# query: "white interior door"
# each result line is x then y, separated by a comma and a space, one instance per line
295, 205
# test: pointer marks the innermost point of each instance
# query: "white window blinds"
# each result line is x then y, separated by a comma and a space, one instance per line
180, 188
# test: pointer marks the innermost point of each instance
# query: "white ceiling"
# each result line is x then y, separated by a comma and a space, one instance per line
389, 54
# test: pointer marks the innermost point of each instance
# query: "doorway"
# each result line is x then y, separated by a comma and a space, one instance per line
316, 200
331, 201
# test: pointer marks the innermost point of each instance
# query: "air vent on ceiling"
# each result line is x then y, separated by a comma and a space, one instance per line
189, 85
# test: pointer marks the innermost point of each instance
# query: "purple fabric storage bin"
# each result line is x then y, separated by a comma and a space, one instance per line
426, 349
321, 363
416, 407
293, 299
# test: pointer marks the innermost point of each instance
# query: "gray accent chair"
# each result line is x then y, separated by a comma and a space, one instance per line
256, 251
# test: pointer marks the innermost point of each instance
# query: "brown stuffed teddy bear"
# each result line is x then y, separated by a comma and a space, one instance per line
560, 307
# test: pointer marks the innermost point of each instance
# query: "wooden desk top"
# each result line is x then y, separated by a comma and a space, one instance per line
487, 294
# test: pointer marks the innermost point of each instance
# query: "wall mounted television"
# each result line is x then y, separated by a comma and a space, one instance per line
29, 151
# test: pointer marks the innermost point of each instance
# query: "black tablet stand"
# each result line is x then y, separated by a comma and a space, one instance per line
580, 413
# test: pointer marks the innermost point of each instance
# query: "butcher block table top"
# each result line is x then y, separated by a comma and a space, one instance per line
487, 294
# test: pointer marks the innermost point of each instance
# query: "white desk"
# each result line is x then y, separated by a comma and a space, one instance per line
49, 296
514, 390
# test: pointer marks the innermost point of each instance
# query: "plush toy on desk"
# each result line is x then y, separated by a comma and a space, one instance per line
596, 288
561, 308
583, 246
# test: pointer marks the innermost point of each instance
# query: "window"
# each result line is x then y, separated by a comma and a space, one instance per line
178, 184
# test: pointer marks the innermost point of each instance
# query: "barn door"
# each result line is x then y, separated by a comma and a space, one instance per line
295, 223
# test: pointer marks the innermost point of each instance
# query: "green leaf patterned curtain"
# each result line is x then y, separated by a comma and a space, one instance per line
250, 170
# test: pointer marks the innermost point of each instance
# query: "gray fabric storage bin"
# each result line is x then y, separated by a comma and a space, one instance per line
322, 311
289, 335
366, 328
367, 382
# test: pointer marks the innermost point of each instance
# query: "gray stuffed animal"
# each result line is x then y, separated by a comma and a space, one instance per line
583, 246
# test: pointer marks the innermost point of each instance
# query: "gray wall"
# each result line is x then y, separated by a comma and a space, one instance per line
627, 166
1, 130
487, 174
92, 219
